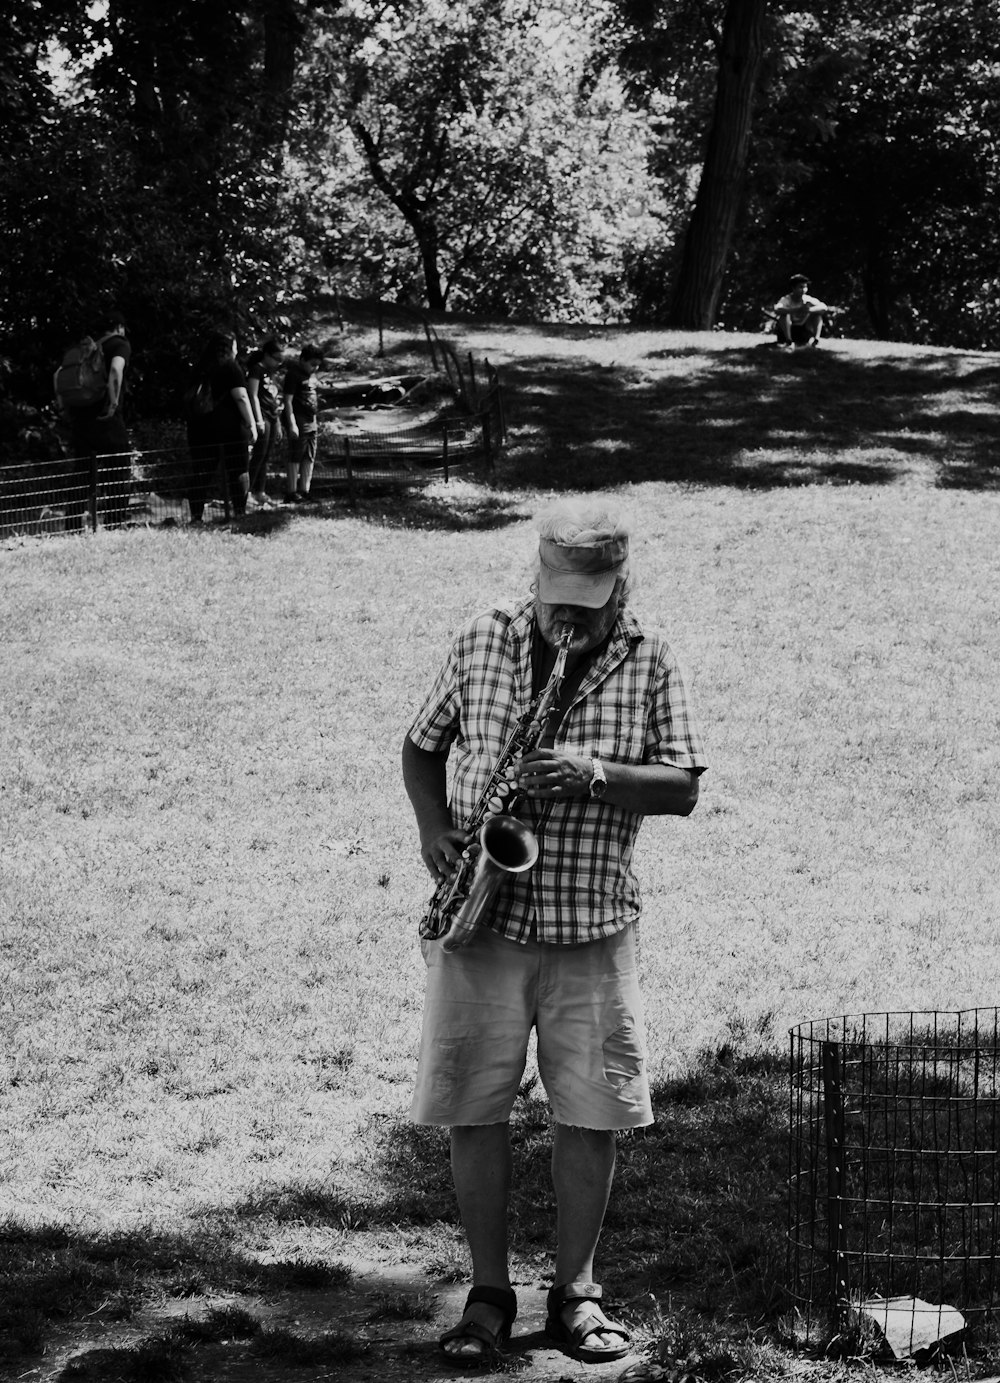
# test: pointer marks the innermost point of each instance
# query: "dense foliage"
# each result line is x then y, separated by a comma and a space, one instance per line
654, 160
879, 163
874, 162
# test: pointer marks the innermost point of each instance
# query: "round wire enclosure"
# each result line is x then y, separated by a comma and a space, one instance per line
894, 1176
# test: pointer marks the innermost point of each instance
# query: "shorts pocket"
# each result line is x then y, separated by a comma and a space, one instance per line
623, 1055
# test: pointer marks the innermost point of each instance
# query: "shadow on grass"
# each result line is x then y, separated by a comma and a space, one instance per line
697, 1214
55, 1279
698, 1208
750, 417
261, 523
728, 416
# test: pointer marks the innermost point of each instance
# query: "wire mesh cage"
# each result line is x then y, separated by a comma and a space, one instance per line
894, 1175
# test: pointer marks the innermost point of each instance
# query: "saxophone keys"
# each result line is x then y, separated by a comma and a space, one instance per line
495, 803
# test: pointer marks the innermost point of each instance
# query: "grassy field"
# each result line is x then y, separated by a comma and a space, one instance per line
209, 879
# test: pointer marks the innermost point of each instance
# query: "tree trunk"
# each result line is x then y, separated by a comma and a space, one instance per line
427, 240
874, 280
710, 231
423, 225
283, 32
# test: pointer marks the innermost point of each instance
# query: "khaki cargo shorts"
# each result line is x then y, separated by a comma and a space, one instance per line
583, 1002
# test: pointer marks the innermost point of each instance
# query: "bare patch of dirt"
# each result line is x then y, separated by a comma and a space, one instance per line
393, 1314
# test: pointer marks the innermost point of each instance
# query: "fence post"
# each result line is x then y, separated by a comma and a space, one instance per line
431, 343
488, 442
497, 392
224, 472
836, 1180
349, 468
92, 492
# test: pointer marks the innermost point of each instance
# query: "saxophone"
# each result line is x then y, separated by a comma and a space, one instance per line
507, 846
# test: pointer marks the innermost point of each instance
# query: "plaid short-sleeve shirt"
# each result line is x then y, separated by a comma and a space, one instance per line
631, 707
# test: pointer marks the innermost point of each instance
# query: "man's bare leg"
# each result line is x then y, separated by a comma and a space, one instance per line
481, 1171
583, 1169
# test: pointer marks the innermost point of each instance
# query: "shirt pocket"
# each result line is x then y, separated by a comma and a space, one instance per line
607, 730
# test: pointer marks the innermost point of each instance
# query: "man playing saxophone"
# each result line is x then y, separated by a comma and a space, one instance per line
556, 948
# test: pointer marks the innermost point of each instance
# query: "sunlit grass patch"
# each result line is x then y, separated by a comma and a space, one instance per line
211, 879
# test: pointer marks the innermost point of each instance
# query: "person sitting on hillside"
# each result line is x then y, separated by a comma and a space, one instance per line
798, 317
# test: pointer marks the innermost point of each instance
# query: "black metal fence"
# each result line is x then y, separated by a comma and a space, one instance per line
894, 1185
357, 448
68, 494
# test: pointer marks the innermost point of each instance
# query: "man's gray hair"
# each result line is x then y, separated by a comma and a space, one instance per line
587, 521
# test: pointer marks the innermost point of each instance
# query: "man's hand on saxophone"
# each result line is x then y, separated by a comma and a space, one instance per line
445, 852
550, 773
442, 843
649, 789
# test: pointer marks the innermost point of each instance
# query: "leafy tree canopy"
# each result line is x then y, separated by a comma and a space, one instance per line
575, 159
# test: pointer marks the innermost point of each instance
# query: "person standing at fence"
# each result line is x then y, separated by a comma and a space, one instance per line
98, 434
301, 408
221, 425
263, 393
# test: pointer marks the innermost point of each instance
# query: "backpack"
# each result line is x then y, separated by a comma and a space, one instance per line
198, 399
82, 378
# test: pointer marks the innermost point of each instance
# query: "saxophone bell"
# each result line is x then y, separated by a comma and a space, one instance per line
506, 847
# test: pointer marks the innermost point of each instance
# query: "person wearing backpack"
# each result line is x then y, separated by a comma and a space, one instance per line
90, 393
221, 426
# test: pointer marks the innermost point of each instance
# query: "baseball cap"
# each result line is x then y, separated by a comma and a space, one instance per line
579, 575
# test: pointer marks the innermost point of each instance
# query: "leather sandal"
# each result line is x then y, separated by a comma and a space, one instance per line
593, 1323
504, 1300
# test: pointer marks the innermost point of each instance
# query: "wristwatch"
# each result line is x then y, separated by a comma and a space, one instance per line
599, 782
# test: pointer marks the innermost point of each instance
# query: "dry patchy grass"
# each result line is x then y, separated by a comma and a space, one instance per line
210, 879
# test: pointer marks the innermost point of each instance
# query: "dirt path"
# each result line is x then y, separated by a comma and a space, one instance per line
407, 1349
383, 1308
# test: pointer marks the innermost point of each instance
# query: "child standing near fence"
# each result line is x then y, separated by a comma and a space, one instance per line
301, 408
